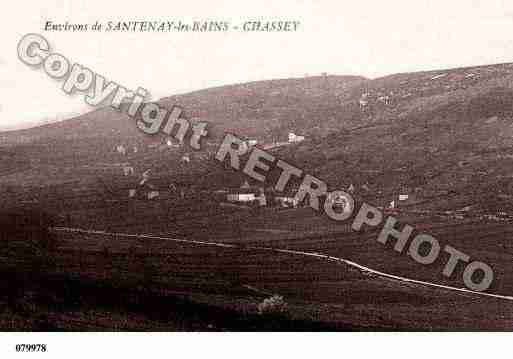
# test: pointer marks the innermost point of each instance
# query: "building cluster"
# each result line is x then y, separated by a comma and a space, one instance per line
260, 196
379, 98
149, 188
399, 200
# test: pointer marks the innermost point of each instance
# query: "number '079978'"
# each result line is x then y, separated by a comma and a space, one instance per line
31, 348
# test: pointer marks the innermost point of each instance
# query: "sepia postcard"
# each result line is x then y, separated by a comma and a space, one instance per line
169, 167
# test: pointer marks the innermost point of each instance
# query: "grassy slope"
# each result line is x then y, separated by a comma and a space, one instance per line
448, 129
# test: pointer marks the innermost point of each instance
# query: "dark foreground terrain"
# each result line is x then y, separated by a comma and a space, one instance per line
113, 281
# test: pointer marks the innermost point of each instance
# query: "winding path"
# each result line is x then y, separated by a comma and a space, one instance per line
289, 251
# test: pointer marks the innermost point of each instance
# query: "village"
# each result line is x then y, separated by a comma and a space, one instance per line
142, 184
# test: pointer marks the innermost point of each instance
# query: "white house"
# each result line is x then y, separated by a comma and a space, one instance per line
295, 138
153, 194
172, 143
403, 197
241, 197
246, 193
384, 99
128, 170
121, 149
287, 201
262, 199
247, 143
364, 100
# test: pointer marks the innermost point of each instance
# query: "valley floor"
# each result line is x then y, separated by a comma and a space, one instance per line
229, 280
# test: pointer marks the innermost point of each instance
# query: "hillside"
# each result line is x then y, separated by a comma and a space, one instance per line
255, 107
432, 133
267, 110
439, 132
270, 109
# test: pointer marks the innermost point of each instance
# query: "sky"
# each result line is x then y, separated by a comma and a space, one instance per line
367, 38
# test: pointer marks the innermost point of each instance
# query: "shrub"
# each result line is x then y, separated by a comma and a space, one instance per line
274, 305
26, 304
25, 236
29, 226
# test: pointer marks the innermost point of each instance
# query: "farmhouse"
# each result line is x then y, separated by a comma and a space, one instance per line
287, 201
186, 158
364, 100
152, 194
384, 99
241, 197
403, 199
247, 194
293, 138
121, 150
128, 170
250, 142
171, 142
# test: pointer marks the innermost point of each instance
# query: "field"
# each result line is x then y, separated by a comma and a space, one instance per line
232, 274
